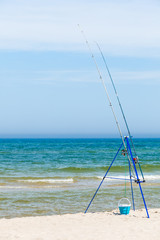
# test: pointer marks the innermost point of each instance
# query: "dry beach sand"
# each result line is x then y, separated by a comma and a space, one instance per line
90, 226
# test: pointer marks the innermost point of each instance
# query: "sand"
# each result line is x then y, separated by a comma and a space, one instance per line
90, 226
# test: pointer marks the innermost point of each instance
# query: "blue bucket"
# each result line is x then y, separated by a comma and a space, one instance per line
124, 206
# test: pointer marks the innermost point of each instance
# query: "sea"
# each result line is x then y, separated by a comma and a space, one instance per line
40, 177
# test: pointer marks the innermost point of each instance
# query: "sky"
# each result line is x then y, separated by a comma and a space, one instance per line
49, 85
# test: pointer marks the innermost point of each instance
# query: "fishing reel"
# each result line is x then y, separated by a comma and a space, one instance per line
135, 160
124, 152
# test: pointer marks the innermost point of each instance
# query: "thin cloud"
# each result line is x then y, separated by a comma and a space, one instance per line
76, 76
121, 27
143, 76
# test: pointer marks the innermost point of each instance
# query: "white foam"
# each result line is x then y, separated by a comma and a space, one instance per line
68, 180
12, 187
152, 177
26, 187
116, 178
113, 178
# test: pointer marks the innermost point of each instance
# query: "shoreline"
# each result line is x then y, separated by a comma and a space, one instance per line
90, 226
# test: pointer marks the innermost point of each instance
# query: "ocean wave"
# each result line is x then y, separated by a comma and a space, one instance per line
88, 169
117, 168
58, 181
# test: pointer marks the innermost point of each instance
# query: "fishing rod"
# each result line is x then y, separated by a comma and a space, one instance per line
110, 104
120, 105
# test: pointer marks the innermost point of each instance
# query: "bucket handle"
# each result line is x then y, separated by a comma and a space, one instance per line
129, 203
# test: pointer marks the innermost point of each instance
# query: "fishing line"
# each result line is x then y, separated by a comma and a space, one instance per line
103, 83
120, 105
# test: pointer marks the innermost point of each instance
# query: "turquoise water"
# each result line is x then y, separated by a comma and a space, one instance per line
57, 176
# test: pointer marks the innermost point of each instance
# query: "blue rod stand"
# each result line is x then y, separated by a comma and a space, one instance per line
129, 152
131, 185
103, 179
130, 174
138, 181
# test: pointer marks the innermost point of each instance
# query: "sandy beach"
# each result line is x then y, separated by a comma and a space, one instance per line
90, 226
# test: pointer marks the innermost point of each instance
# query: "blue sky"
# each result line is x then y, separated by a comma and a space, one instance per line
48, 82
